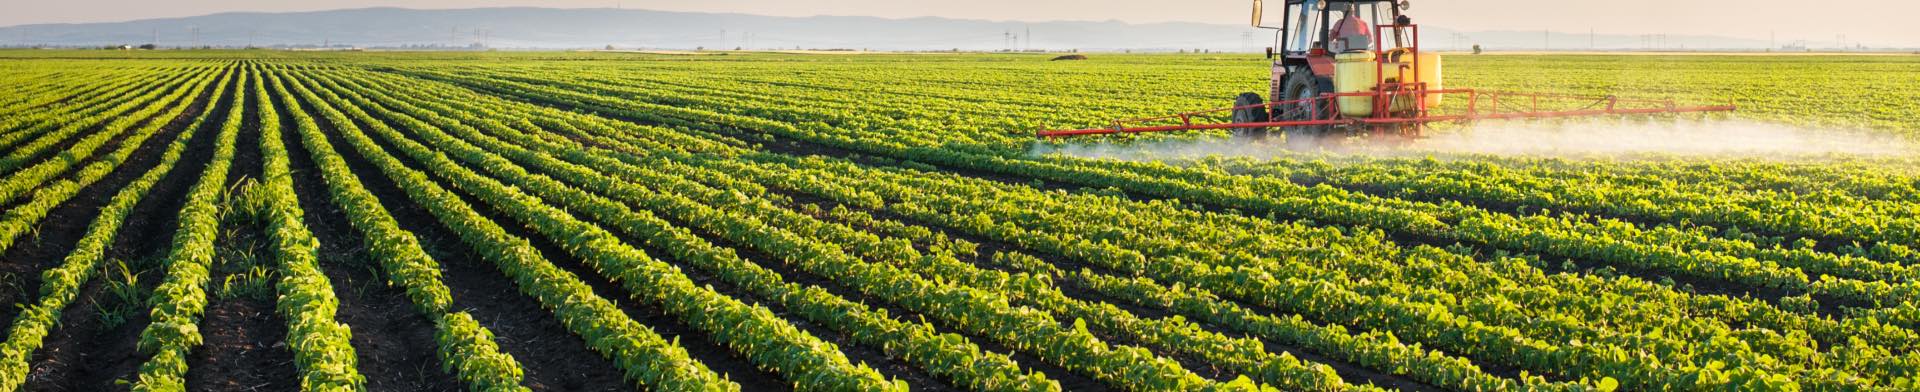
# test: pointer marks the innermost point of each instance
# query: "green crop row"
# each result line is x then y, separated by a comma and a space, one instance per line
62, 285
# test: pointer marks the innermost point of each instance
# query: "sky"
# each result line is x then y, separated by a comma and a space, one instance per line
1871, 22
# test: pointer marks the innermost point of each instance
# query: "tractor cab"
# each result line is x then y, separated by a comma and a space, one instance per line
1311, 28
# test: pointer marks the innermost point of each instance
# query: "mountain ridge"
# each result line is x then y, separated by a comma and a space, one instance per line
576, 28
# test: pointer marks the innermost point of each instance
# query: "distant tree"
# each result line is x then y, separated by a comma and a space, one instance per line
609, 46
1476, 48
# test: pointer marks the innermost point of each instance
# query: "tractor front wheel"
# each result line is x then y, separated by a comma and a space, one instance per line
1305, 88
1243, 113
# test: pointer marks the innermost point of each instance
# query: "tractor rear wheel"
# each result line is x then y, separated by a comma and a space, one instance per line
1243, 114
1304, 88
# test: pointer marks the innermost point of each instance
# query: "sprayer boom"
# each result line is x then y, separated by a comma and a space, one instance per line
1412, 115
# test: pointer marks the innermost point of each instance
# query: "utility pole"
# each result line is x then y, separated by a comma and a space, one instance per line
250, 36
1029, 45
1006, 39
1546, 40
156, 38
1590, 35
196, 35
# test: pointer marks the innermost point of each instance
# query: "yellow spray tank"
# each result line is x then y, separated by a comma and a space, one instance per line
1400, 62
1356, 72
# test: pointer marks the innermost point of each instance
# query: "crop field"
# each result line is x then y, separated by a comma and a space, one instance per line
277, 221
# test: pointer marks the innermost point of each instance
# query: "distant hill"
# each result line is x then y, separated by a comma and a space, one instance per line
551, 28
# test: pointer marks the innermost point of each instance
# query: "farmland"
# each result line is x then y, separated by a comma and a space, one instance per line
229, 220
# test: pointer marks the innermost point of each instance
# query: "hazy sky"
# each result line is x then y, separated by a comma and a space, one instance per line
1873, 22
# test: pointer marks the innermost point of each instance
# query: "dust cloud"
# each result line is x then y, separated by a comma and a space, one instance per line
1611, 139
1687, 137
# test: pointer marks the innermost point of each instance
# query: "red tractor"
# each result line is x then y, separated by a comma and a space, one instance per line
1346, 68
